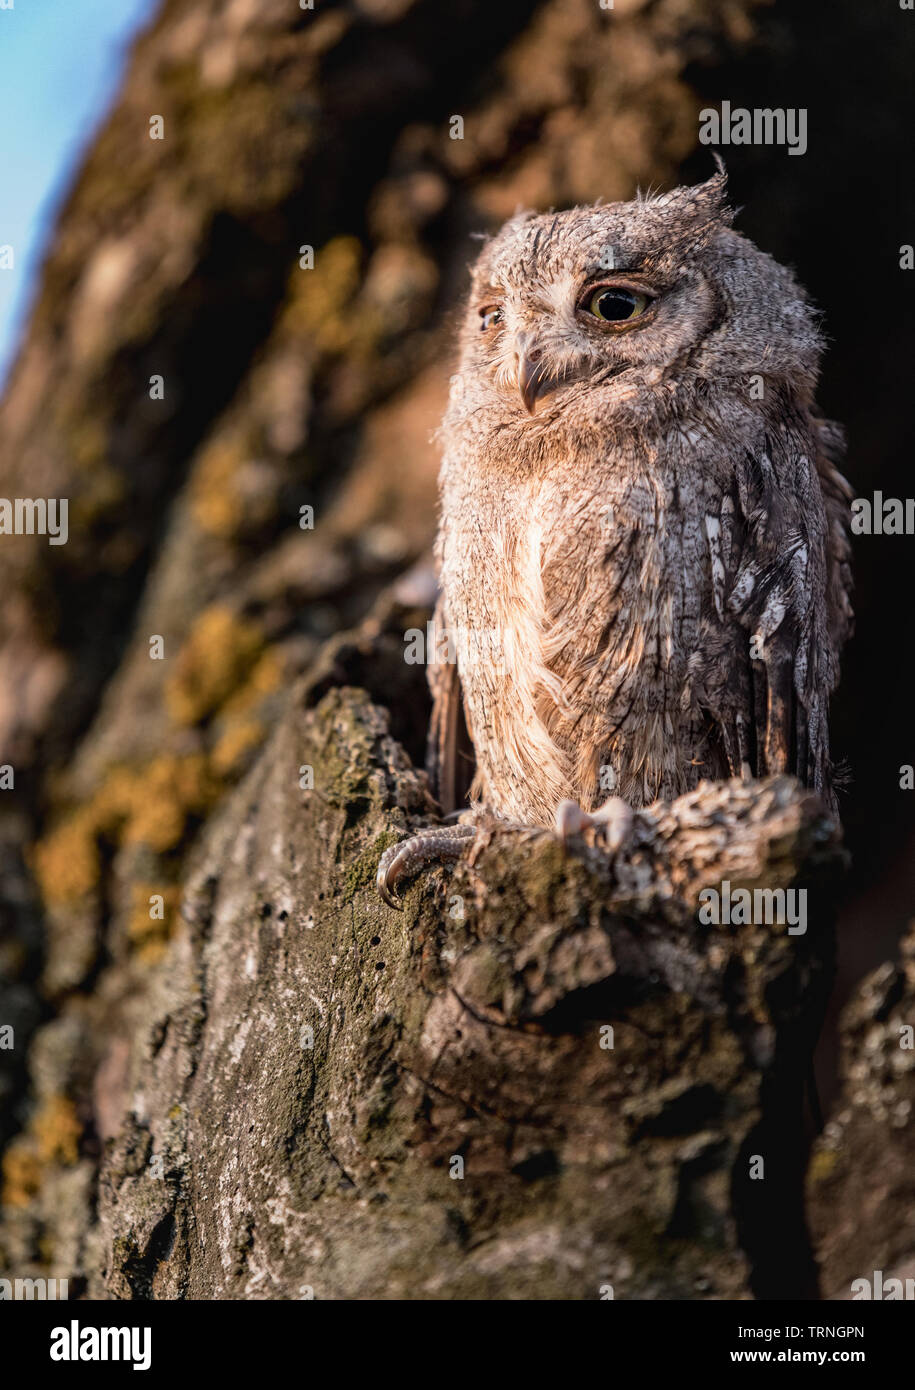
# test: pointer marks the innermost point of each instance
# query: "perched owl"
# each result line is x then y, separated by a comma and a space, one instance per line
643, 544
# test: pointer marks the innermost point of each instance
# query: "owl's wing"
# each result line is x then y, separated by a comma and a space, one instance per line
781, 586
837, 496
450, 759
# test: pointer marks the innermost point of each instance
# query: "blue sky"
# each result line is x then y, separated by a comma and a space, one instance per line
61, 63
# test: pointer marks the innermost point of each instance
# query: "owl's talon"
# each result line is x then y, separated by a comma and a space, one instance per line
615, 819
612, 822
570, 820
425, 847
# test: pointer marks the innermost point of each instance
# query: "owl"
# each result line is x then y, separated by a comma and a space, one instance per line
643, 546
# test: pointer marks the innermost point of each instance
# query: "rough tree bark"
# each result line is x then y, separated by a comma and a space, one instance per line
289, 1094
860, 1184
314, 1064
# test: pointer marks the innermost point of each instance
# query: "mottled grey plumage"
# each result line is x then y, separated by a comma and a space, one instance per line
643, 544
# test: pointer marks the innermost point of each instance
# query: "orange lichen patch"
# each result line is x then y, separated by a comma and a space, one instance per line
222, 666
151, 805
321, 302
67, 862
823, 1164
216, 505
236, 743
219, 654
149, 934
241, 731
52, 1137
171, 790
21, 1173
265, 678
57, 1131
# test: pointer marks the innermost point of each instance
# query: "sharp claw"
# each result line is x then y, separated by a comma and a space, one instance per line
570, 820
615, 816
613, 820
389, 871
397, 860
390, 898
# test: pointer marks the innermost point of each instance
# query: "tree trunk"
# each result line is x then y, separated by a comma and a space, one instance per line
542, 1079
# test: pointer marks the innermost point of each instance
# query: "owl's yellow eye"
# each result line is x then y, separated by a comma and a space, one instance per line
490, 316
616, 305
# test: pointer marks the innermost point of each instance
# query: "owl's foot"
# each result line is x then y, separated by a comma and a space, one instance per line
611, 823
609, 826
441, 843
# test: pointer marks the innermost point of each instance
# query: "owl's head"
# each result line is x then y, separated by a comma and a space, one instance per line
594, 311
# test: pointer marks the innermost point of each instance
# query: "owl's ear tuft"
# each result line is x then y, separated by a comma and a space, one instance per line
712, 195
704, 204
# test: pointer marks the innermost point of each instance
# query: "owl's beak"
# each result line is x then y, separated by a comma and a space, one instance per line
533, 376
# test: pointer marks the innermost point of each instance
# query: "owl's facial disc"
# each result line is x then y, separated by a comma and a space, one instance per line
571, 330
